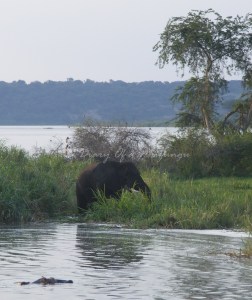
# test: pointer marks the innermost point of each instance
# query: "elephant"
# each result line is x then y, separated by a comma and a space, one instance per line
110, 177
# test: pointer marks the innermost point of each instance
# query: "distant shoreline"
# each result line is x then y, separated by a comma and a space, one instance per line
143, 104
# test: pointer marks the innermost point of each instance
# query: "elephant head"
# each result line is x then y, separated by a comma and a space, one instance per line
131, 178
111, 178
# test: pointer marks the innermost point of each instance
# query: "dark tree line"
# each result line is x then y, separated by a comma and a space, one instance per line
71, 101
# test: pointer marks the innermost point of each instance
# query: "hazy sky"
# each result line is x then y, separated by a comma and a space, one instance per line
92, 39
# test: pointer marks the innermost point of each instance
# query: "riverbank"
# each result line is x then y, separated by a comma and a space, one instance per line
207, 203
42, 187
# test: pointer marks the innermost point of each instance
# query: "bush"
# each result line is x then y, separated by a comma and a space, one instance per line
233, 155
185, 155
94, 140
195, 153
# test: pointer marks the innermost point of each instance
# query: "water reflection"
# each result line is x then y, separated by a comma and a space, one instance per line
23, 244
104, 248
207, 273
116, 263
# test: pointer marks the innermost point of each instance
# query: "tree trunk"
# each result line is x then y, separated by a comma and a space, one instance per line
207, 97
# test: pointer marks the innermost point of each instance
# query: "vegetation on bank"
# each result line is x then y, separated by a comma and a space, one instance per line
196, 154
35, 188
200, 178
188, 204
43, 187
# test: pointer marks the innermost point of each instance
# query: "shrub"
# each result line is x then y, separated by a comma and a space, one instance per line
94, 140
185, 154
195, 153
233, 155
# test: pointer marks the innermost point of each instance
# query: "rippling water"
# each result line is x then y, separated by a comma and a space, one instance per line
114, 263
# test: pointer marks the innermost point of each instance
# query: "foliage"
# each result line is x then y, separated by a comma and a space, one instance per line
189, 204
95, 140
42, 187
68, 102
232, 155
194, 153
207, 43
34, 188
193, 108
59, 103
185, 154
240, 118
209, 46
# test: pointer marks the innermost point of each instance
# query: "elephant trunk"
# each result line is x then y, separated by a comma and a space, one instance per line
143, 187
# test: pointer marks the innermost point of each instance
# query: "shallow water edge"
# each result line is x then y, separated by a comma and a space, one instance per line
112, 262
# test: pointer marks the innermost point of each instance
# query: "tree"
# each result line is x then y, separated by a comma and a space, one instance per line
210, 46
196, 112
240, 118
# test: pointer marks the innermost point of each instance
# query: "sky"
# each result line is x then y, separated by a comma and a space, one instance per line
100, 40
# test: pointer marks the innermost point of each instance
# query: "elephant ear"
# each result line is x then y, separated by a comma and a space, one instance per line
129, 170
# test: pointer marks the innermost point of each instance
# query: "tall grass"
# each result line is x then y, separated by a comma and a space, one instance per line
33, 188
38, 188
194, 204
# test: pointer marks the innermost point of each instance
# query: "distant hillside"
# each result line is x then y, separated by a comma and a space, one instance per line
68, 102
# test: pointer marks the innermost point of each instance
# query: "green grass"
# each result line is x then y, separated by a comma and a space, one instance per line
195, 204
35, 188
43, 187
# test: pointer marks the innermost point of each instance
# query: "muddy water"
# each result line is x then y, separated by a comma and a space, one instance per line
109, 262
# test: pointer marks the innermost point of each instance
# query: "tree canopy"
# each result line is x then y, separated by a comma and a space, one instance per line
211, 47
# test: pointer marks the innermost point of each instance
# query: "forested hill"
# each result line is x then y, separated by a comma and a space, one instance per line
68, 102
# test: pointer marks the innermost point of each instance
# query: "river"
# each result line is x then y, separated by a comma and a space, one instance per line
33, 138
111, 262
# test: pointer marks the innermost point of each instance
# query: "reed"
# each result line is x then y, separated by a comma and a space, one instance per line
34, 188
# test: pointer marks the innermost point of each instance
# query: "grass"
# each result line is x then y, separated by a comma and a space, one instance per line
244, 252
43, 187
188, 204
35, 188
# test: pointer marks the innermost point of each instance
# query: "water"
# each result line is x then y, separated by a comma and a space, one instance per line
32, 138
108, 262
